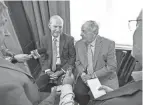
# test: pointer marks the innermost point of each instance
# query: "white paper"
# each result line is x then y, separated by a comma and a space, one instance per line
94, 85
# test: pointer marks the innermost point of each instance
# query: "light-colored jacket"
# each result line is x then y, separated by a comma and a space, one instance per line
104, 61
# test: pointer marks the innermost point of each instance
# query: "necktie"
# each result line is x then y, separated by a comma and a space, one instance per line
54, 54
90, 60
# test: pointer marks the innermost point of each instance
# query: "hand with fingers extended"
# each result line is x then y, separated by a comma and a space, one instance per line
105, 88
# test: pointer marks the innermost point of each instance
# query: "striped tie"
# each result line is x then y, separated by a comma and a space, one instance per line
54, 54
90, 60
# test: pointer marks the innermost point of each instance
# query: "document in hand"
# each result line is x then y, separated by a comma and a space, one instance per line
94, 85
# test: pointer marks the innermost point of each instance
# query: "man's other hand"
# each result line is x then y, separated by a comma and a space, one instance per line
69, 78
86, 77
56, 74
54, 91
105, 88
22, 57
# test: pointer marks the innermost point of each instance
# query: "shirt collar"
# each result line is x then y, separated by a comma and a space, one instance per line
58, 38
93, 42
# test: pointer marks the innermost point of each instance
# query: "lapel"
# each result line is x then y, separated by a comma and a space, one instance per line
61, 43
98, 46
6, 64
48, 45
128, 89
50, 48
82, 52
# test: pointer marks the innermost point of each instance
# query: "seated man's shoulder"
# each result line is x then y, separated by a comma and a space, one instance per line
45, 37
11, 73
68, 36
107, 40
13, 76
10, 92
10, 84
79, 43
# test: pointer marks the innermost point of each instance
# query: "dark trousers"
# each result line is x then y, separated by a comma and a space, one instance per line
45, 84
81, 92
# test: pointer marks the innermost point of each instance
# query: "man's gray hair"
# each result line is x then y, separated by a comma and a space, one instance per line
56, 17
93, 26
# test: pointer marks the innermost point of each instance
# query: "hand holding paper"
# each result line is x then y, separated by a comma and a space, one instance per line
94, 85
106, 88
86, 77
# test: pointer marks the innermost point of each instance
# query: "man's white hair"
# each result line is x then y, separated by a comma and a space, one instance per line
92, 25
54, 17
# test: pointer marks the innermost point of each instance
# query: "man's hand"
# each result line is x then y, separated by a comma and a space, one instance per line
56, 74
22, 57
105, 88
86, 77
54, 91
8, 59
69, 78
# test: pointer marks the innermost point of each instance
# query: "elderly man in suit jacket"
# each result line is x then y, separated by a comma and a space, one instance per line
131, 93
95, 57
60, 50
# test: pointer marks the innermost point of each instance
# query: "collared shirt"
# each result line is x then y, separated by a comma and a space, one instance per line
58, 49
93, 45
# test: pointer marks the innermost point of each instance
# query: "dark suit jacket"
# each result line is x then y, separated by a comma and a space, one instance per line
104, 61
67, 52
130, 94
18, 87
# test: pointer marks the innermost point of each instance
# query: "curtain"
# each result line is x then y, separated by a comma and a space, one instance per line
125, 68
38, 14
